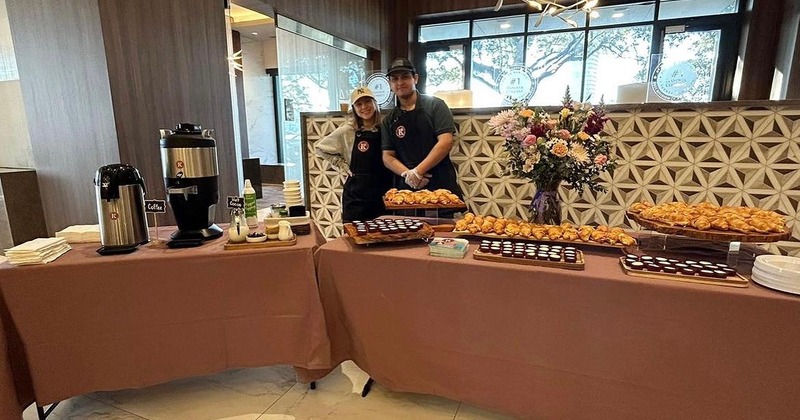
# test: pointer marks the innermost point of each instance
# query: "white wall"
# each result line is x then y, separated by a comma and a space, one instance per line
259, 103
15, 142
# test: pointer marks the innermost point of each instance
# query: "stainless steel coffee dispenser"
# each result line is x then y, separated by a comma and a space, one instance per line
189, 166
120, 208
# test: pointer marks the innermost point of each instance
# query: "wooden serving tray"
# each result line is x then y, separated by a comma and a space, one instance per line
730, 281
580, 264
376, 238
274, 243
545, 240
391, 206
710, 234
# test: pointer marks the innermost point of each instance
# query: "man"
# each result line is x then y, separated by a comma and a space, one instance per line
417, 135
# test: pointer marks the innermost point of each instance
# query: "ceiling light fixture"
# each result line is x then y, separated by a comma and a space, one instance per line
505, 25
570, 8
618, 15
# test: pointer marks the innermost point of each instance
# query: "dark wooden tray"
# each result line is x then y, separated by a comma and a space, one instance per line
580, 264
377, 238
544, 240
730, 281
710, 234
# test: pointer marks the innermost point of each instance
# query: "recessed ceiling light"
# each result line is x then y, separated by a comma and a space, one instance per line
618, 15
505, 25
253, 33
595, 14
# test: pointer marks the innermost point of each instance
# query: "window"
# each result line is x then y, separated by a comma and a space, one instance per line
626, 51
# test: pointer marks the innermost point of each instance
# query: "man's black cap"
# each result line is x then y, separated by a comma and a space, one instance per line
401, 64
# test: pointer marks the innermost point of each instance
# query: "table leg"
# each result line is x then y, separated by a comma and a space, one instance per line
367, 387
43, 414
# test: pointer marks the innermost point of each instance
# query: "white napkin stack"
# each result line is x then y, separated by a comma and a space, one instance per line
291, 193
37, 251
79, 234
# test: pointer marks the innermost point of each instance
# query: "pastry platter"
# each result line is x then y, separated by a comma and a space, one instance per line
543, 240
710, 234
453, 206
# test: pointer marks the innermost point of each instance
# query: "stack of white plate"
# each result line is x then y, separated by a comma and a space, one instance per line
778, 272
291, 193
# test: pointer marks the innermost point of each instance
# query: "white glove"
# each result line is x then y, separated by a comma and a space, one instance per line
425, 180
412, 177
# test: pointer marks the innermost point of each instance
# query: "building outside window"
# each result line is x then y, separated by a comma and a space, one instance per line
623, 52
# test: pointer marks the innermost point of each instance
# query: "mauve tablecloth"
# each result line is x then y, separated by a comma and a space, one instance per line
544, 342
89, 322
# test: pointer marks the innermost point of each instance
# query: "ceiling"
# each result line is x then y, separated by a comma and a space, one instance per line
251, 24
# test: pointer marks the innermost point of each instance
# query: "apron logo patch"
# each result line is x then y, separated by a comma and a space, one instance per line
363, 146
400, 132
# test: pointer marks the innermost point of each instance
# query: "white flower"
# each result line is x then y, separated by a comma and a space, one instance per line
579, 153
497, 122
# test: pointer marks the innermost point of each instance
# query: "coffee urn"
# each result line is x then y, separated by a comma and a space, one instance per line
189, 166
120, 209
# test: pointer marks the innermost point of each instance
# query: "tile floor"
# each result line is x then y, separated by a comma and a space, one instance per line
269, 393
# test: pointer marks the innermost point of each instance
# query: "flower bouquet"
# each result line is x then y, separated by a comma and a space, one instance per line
549, 150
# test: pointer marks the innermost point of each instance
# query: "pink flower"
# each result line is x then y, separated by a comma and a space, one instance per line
564, 134
600, 160
551, 124
529, 140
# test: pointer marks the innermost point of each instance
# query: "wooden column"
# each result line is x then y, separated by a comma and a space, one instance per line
758, 52
167, 63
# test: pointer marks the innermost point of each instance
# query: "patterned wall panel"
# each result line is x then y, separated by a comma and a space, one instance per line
747, 155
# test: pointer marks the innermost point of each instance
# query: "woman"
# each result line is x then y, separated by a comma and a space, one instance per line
355, 150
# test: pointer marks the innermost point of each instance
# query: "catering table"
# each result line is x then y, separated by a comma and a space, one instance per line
88, 322
543, 342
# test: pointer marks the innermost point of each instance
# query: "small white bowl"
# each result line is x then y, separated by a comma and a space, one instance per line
256, 239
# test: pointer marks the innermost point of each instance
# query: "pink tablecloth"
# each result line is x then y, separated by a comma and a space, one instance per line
542, 342
91, 323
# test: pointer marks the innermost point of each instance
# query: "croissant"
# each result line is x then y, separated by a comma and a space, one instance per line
597, 235
569, 234
740, 225
760, 225
499, 225
554, 232
512, 229
473, 228
469, 216
719, 223
525, 230
491, 219
701, 223
627, 240
538, 232
487, 227
478, 220
461, 225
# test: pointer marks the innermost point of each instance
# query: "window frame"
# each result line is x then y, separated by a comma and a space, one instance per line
730, 26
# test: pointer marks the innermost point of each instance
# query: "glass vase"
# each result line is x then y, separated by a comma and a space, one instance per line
546, 205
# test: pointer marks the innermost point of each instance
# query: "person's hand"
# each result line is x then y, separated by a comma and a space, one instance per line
425, 180
413, 178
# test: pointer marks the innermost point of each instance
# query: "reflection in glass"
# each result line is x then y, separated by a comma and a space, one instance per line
490, 57
700, 51
672, 9
442, 31
622, 14
445, 70
556, 61
616, 57
498, 26
313, 77
549, 23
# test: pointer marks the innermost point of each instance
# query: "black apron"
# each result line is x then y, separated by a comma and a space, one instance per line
362, 198
413, 138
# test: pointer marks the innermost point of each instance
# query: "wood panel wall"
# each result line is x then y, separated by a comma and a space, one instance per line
763, 25
64, 81
167, 63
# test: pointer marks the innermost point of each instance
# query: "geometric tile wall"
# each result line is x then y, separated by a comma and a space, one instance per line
728, 155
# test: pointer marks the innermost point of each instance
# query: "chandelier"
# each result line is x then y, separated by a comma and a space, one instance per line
565, 12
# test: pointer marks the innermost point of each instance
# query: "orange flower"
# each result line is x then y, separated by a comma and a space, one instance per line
583, 136
526, 113
559, 149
